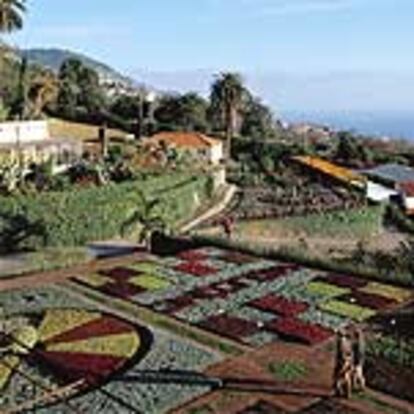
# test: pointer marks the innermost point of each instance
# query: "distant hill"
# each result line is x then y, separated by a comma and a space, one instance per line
53, 59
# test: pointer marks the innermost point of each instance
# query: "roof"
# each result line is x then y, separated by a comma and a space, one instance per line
395, 173
407, 188
185, 139
333, 170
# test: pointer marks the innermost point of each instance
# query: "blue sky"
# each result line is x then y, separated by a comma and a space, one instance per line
301, 39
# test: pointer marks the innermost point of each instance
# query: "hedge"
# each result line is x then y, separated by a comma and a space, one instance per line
75, 217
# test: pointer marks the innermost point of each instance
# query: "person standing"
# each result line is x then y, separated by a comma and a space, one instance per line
358, 351
343, 365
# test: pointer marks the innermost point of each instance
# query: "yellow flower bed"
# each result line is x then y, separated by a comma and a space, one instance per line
62, 320
388, 291
120, 345
94, 280
349, 310
150, 282
144, 267
326, 289
341, 173
7, 365
26, 338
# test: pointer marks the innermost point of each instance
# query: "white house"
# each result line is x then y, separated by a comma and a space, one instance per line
407, 196
202, 146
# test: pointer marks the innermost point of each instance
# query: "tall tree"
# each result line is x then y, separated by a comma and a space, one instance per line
11, 12
186, 112
227, 98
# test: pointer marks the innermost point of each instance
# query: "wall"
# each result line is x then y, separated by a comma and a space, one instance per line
25, 131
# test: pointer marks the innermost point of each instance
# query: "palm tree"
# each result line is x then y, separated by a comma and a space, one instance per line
11, 15
150, 216
227, 98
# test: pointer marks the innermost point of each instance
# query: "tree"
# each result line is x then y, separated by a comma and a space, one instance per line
150, 216
79, 90
11, 15
186, 112
258, 121
227, 99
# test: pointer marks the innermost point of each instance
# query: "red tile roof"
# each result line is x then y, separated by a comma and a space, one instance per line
185, 139
407, 188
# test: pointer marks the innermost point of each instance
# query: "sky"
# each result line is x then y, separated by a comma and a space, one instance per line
300, 54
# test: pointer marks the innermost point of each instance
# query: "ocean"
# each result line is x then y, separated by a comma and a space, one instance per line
392, 124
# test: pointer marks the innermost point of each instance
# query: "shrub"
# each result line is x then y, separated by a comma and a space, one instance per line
76, 217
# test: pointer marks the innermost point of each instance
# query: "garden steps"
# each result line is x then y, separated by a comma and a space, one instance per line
213, 211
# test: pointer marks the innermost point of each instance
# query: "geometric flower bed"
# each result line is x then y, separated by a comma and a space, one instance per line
230, 326
235, 295
280, 305
301, 331
79, 345
354, 312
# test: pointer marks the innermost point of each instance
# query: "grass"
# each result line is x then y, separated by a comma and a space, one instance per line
354, 224
47, 260
65, 129
288, 371
308, 259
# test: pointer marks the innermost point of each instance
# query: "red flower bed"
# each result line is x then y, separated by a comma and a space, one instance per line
298, 330
119, 273
230, 326
192, 255
345, 281
279, 305
195, 269
369, 300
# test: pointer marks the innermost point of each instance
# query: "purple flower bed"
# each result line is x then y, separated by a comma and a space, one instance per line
279, 305
121, 290
344, 281
230, 326
369, 300
119, 273
175, 305
297, 330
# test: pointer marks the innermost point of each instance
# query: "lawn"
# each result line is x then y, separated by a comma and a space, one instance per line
65, 129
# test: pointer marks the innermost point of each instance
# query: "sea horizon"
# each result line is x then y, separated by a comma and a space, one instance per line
391, 124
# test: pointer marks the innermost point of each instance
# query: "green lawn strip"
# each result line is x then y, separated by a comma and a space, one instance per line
212, 341
380, 405
326, 289
350, 310
288, 371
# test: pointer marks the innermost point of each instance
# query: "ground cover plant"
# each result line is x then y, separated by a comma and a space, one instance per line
246, 298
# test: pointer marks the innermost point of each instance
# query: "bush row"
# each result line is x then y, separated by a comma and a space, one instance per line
75, 217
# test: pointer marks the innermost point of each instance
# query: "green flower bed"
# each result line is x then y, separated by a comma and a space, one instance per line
399, 352
355, 312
